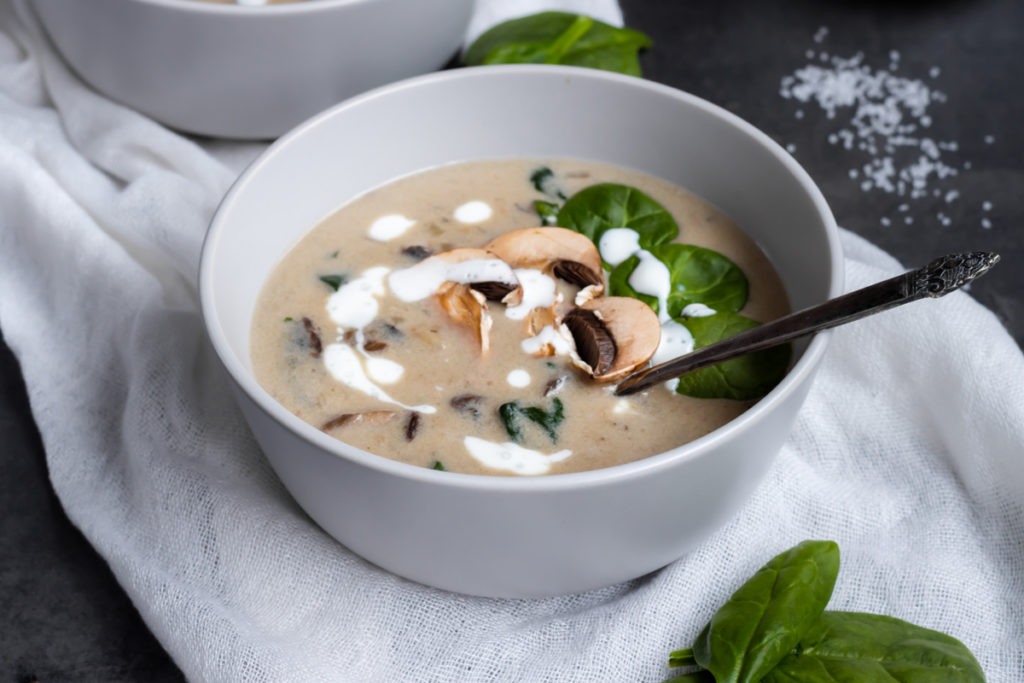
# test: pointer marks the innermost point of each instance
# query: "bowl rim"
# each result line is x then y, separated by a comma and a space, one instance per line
223, 8
800, 372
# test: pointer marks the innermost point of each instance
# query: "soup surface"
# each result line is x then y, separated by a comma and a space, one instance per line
350, 336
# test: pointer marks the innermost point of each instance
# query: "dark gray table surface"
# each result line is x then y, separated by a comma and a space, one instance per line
63, 617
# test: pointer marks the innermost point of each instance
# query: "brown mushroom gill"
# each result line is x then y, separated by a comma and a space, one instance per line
594, 343
631, 326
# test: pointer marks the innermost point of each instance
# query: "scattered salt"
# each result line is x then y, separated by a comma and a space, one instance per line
883, 117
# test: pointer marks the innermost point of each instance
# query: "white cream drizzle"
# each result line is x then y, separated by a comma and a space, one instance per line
547, 335
676, 341
354, 305
519, 378
512, 457
473, 212
697, 311
618, 244
389, 227
539, 291
343, 363
651, 277
622, 407
417, 282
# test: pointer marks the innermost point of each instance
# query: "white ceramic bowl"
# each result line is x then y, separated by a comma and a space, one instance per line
249, 72
506, 536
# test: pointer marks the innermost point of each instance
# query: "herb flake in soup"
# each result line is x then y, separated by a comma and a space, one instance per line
437, 321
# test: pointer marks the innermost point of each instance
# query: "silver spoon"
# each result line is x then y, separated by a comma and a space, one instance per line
938, 278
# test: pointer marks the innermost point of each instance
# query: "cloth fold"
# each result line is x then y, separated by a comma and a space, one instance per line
908, 451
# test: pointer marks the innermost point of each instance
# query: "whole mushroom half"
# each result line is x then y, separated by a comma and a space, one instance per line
565, 254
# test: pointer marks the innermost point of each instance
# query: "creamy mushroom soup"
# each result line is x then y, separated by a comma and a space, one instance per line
439, 321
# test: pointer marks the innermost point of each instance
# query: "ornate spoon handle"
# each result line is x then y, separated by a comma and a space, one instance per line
938, 278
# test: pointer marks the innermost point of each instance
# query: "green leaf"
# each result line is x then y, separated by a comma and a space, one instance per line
681, 658
509, 414
745, 378
697, 276
560, 38
693, 677
439, 466
543, 179
853, 647
547, 420
598, 208
765, 619
547, 211
334, 281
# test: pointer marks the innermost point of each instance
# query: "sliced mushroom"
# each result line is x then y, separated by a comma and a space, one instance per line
614, 335
466, 302
566, 254
371, 417
468, 307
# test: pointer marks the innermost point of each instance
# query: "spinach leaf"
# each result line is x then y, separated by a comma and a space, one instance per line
559, 38
547, 211
853, 646
543, 179
547, 420
695, 677
765, 619
745, 378
682, 658
509, 414
598, 208
334, 281
697, 275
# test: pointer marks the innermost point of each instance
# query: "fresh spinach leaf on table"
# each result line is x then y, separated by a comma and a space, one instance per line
745, 378
598, 208
560, 38
766, 617
854, 646
774, 629
697, 275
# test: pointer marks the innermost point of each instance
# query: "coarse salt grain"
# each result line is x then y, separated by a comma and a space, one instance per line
883, 116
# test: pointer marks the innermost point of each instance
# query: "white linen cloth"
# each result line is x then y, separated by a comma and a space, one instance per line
908, 451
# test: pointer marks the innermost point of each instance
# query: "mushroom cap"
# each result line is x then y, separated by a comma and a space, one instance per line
631, 325
566, 254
